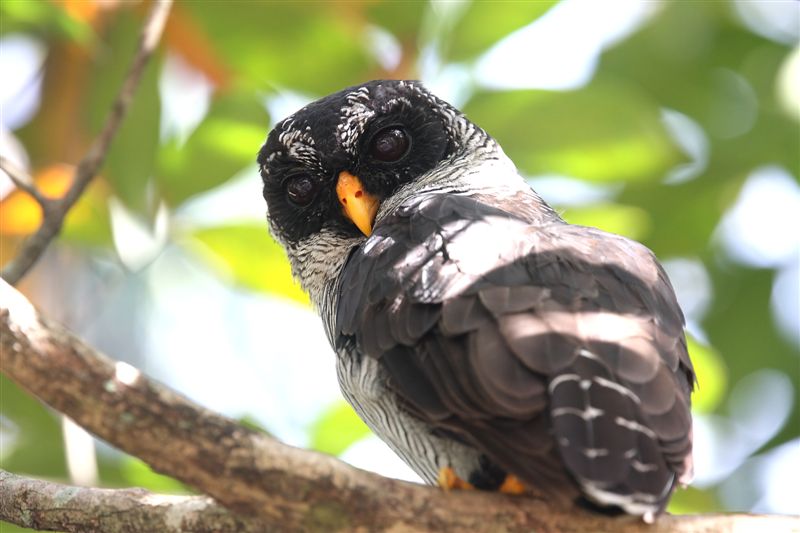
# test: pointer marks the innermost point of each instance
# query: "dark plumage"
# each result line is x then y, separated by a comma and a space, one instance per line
474, 328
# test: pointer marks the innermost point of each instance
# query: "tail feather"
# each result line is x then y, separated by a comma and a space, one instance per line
609, 449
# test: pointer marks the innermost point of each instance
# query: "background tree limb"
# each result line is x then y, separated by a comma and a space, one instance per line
55, 210
54, 507
22, 180
252, 474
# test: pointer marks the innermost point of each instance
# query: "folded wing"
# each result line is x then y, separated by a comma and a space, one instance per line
533, 342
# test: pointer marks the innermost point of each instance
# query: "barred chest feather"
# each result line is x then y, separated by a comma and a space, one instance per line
364, 384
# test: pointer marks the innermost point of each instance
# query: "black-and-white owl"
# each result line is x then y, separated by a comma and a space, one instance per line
486, 341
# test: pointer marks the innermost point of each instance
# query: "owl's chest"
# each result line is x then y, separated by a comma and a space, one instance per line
364, 385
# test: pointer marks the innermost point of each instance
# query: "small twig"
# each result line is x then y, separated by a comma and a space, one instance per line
22, 180
88, 167
55, 507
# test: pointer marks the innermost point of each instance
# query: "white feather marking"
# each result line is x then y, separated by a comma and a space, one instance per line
643, 467
593, 453
603, 382
561, 379
583, 352
590, 413
355, 116
634, 426
636, 503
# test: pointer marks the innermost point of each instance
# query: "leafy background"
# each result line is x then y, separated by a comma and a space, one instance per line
675, 123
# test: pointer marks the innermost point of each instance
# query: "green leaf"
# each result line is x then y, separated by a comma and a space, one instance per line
224, 143
697, 75
46, 19
89, 221
632, 222
137, 473
337, 429
36, 446
250, 422
741, 326
131, 158
604, 132
712, 376
11, 528
246, 255
684, 216
692, 500
402, 19
486, 22
312, 47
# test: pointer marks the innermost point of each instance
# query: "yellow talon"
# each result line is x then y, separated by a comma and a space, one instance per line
512, 485
449, 480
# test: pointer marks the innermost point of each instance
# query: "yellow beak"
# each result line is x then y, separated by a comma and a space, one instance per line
358, 205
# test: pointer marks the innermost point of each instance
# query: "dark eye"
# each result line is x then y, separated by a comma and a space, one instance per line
301, 189
389, 144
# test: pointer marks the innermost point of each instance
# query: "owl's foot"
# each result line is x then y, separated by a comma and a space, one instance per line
512, 485
449, 480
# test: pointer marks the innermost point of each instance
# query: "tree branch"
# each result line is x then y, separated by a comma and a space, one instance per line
254, 475
54, 507
54, 211
22, 180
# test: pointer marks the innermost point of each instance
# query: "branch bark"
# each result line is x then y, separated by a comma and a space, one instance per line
47, 506
258, 478
55, 210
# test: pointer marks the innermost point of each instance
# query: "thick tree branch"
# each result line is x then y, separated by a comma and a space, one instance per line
54, 211
54, 507
254, 475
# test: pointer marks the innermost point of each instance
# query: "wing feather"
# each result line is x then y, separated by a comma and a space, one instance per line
532, 342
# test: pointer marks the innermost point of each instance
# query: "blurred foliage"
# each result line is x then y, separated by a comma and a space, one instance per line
337, 428
632, 222
137, 473
87, 222
215, 151
484, 23
37, 448
711, 376
249, 256
130, 165
694, 58
603, 132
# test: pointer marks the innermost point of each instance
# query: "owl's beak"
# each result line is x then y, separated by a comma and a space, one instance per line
358, 205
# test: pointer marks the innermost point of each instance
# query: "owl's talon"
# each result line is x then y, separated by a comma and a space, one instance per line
449, 480
512, 485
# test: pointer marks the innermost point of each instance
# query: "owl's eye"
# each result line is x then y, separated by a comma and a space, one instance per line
389, 144
301, 189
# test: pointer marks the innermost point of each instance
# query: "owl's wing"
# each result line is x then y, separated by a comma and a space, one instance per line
528, 339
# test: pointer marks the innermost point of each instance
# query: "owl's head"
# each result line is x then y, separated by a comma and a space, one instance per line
329, 165
335, 165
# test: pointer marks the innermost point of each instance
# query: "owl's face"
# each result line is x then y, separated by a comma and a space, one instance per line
334, 166
385, 134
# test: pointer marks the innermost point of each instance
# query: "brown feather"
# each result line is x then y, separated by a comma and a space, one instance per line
556, 350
